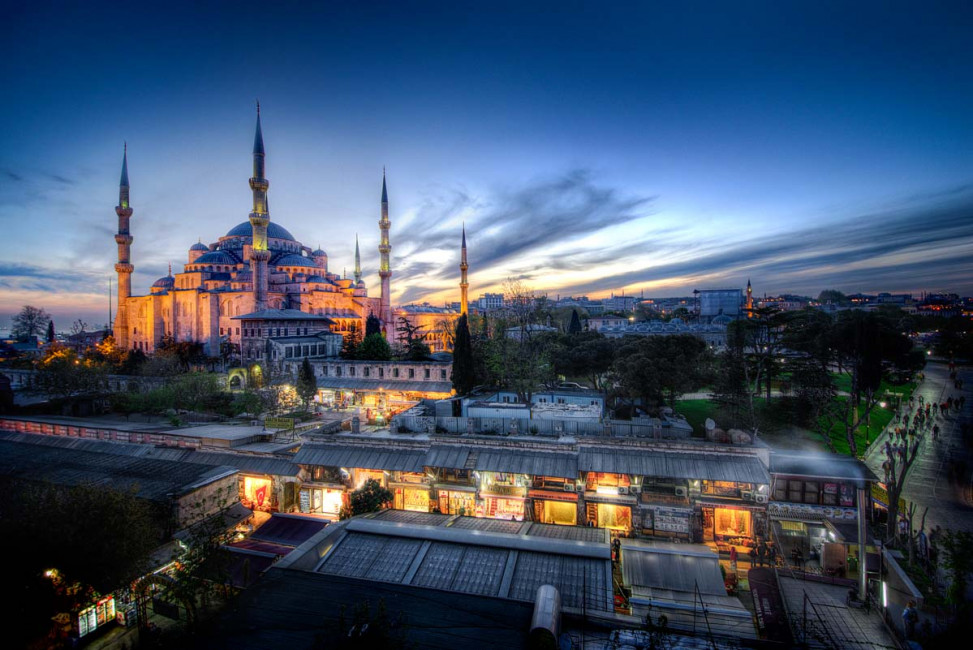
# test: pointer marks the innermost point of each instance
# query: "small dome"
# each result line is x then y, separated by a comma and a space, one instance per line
199, 246
315, 278
292, 259
274, 231
215, 257
722, 319
319, 253
167, 282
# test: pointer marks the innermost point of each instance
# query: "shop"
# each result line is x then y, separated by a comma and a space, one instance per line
555, 507
415, 499
733, 524
501, 507
824, 537
96, 616
667, 522
457, 501
363, 475
322, 500
611, 512
258, 493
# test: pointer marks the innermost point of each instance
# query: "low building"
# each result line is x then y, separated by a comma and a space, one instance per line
259, 327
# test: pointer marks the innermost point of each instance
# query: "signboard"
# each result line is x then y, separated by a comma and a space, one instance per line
671, 520
881, 497
279, 423
305, 501
805, 512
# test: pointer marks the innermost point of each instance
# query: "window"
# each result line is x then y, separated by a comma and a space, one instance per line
351, 371
337, 371
381, 372
367, 371
221, 331
442, 374
285, 331
324, 371
427, 373
395, 372
289, 352
412, 373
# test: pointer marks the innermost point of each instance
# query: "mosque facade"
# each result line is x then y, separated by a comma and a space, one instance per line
257, 267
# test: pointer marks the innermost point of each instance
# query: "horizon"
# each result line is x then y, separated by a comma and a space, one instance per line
626, 150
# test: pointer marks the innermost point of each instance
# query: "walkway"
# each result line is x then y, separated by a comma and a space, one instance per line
931, 483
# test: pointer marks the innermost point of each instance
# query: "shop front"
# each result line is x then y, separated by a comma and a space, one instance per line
815, 537
258, 493
362, 475
666, 521
555, 507
506, 506
733, 524
414, 498
457, 500
322, 500
612, 512
96, 616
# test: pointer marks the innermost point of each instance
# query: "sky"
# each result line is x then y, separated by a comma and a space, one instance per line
589, 148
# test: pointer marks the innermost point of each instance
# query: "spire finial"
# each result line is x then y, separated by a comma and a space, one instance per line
258, 107
170, 269
385, 191
464, 234
124, 180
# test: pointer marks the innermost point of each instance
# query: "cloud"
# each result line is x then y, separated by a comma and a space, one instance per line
13, 175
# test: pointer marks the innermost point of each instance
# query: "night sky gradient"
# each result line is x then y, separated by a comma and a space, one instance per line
589, 147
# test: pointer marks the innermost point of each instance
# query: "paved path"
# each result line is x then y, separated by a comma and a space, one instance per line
930, 482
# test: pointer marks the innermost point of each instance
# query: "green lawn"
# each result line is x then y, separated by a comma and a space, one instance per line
696, 411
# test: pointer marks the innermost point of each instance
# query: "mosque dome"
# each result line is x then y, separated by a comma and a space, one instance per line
199, 246
722, 319
215, 257
315, 278
168, 282
292, 259
274, 231
319, 253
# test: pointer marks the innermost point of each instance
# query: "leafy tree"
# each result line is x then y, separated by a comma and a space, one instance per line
413, 339
464, 373
30, 321
374, 348
731, 388
372, 325
188, 354
588, 355
833, 296
657, 369
575, 326
307, 383
958, 561
350, 343
370, 497
50, 331
62, 375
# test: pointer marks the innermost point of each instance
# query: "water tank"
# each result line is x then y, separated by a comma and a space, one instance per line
545, 623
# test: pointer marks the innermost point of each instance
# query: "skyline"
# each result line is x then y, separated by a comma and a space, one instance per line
781, 145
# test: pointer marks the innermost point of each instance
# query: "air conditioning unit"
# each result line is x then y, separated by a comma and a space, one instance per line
569, 487
747, 495
682, 491
635, 489
760, 498
623, 490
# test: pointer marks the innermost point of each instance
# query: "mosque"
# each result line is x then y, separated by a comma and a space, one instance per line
257, 273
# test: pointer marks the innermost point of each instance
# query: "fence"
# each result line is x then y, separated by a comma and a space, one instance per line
500, 426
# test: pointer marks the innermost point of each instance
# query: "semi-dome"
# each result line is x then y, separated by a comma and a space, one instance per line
199, 246
274, 231
315, 278
319, 253
215, 257
292, 259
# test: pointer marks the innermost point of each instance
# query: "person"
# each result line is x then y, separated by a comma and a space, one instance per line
935, 432
909, 618
753, 556
761, 553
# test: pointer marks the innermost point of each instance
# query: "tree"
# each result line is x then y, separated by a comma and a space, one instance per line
374, 348
464, 374
350, 343
372, 325
833, 296
50, 331
587, 355
575, 326
62, 375
79, 327
370, 497
657, 369
413, 338
958, 561
307, 383
30, 321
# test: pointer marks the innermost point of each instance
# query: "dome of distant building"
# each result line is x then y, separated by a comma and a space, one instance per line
722, 319
274, 231
199, 246
319, 253
216, 257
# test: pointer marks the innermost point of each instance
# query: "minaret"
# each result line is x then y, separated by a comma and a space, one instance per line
749, 299
357, 263
384, 269
463, 284
124, 266
259, 219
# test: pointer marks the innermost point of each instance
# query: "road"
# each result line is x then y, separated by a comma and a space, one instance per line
930, 482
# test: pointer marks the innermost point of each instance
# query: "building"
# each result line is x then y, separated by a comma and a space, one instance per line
257, 265
489, 301
720, 302
436, 325
619, 304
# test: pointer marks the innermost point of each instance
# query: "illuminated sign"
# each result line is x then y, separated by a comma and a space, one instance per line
99, 614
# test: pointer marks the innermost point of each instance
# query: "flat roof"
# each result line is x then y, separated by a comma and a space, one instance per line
820, 465
364, 457
673, 464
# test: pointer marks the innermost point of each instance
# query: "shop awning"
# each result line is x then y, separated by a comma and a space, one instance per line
534, 463
391, 459
447, 457
387, 385
679, 567
710, 467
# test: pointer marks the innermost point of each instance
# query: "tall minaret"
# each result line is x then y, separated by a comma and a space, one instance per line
259, 219
384, 269
463, 284
124, 266
357, 262
749, 299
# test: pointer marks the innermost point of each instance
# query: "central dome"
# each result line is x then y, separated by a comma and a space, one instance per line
274, 231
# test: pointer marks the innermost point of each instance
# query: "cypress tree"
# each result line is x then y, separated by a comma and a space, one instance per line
575, 326
50, 331
464, 378
307, 384
372, 325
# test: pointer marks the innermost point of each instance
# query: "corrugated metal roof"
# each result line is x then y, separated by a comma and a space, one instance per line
663, 567
821, 466
447, 456
742, 469
353, 383
288, 530
152, 479
536, 463
404, 460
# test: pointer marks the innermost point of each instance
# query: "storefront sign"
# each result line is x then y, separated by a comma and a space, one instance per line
670, 520
91, 618
279, 423
553, 496
305, 501
804, 512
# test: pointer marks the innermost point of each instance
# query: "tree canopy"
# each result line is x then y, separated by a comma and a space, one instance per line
29, 321
370, 497
464, 374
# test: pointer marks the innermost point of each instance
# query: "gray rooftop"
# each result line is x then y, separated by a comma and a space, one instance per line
820, 465
151, 479
536, 463
370, 457
666, 464
281, 314
411, 385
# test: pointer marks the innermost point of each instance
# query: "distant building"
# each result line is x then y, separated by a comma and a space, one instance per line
437, 324
621, 304
720, 302
489, 301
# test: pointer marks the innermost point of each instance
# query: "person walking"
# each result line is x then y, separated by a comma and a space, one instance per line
909, 618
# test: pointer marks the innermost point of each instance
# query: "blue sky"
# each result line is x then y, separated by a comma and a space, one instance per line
589, 147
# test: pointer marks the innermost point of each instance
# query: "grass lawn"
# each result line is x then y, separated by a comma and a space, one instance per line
696, 411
